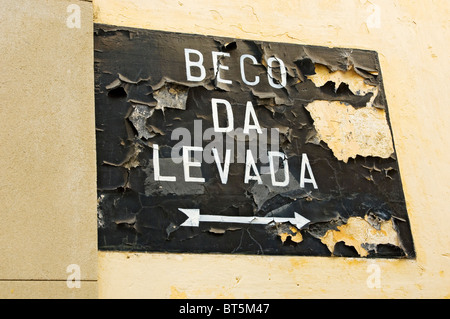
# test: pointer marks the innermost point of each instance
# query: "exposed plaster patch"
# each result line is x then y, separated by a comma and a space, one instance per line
292, 232
349, 132
355, 82
359, 233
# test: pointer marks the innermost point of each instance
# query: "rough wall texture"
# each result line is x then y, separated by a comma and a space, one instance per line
47, 155
410, 39
47, 186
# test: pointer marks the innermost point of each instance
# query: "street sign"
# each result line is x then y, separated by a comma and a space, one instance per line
208, 144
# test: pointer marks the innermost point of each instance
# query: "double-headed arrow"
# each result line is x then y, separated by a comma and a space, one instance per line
194, 219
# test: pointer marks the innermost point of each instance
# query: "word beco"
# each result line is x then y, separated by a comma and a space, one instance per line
219, 65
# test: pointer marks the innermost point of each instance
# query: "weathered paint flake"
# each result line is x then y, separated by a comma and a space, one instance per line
139, 117
171, 96
357, 84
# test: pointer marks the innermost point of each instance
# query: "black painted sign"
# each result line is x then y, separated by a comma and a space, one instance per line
217, 145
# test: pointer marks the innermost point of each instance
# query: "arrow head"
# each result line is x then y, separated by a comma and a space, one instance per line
300, 221
193, 215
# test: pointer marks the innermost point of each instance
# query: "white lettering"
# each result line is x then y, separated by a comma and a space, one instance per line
215, 115
244, 79
250, 163
303, 180
270, 74
219, 66
156, 170
223, 172
251, 111
198, 64
187, 163
272, 168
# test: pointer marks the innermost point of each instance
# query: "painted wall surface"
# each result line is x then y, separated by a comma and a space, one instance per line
48, 181
48, 230
411, 40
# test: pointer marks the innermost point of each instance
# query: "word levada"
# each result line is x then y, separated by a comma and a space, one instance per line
194, 156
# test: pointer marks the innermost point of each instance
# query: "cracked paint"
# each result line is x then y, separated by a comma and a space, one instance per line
356, 83
166, 101
171, 96
139, 117
361, 235
291, 233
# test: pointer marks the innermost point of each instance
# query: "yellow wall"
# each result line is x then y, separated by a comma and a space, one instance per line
411, 39
48, 186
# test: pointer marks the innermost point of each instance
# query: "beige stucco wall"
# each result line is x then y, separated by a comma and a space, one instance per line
47, 152
48, 186
411, 39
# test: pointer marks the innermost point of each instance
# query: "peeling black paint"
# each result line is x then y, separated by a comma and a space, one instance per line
137, 71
